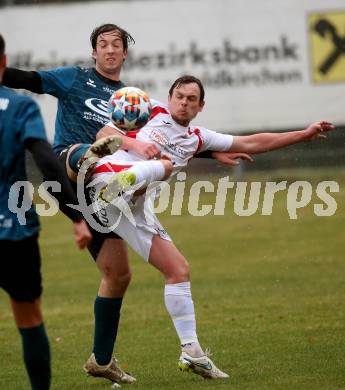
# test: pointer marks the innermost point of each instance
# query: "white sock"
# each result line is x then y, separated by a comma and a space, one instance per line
179, 303
147, 172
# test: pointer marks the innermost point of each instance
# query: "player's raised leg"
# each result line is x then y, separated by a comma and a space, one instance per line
137, 175
85, 156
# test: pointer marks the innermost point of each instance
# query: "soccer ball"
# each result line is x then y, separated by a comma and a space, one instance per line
129, 108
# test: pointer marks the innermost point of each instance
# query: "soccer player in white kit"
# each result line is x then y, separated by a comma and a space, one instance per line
169, 129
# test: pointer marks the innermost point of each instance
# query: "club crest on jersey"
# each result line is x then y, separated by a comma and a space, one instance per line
98, 105
4, 104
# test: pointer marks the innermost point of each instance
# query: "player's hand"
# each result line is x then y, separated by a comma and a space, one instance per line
106, 131
316, 130
82, 234
146, 150
231, 158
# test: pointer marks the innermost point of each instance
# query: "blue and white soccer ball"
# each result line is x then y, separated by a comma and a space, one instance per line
129, 108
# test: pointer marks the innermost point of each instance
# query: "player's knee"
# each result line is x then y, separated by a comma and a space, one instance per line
70, 169
184, 271
179, 274
27, 314
124, 279
116, 276
168, 168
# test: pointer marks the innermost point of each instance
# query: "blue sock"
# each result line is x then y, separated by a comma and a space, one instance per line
76, 155
36, 353
107, 316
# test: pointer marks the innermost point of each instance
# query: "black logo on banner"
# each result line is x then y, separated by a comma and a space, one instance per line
327, 38
328, 30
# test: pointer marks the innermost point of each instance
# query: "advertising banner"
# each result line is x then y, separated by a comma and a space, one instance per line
267, 65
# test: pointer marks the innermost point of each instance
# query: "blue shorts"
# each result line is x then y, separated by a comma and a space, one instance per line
20, 274
97, 238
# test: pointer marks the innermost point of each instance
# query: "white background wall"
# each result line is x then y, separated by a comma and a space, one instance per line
202, 38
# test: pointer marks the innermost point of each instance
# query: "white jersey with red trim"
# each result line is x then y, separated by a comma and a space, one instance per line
180, 143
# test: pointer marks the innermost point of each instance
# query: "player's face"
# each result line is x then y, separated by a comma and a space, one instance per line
184, 103
109, 54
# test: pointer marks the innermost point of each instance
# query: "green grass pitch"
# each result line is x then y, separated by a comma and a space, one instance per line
269, 295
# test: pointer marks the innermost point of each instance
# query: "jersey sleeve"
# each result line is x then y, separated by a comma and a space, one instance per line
29, 120
58, 81
214, 141
22, 79
157, 103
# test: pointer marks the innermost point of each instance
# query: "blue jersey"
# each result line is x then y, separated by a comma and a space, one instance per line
20, 119
83, 96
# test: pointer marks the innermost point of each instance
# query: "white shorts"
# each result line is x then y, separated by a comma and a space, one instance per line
136, 223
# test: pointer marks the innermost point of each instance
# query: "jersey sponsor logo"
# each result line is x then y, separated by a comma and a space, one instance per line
92, 116
4, 104
107, 89
91, 83
163, 140
327, 44
98, 105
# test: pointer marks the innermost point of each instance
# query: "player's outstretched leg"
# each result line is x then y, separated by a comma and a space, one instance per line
200, 365
102, 147
119, 183
83, 157
111, 371
136, 176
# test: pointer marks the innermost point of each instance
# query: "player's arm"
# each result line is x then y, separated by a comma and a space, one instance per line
56, 82
226, 158
144, 149
16, 78
218, 146
52, 170
264, 142
231, 158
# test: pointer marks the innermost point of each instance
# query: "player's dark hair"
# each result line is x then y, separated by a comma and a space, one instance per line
127, 39
187, 79
2, 46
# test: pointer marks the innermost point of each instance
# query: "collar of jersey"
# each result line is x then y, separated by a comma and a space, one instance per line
106, 80
183, 129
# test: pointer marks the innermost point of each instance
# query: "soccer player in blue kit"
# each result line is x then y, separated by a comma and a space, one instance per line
82, 111
21, 128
